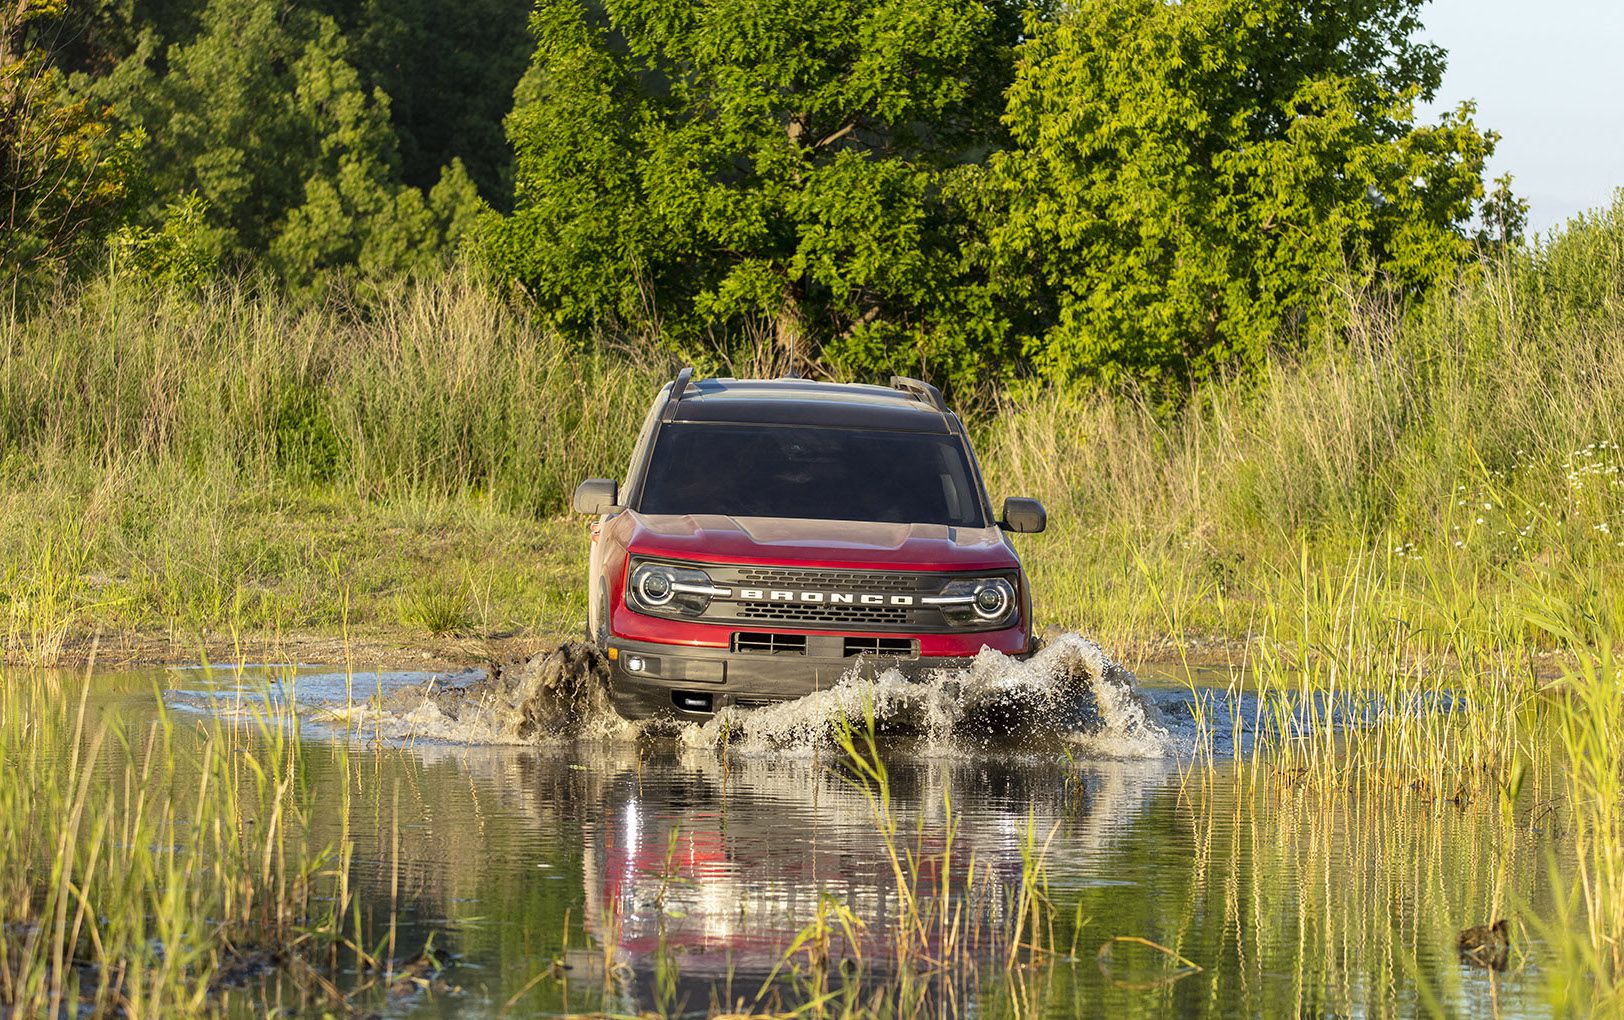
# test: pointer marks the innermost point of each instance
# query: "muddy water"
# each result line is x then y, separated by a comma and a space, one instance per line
606, 868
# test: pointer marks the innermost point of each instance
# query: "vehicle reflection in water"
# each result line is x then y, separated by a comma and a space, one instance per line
719, 865
679, 879
698, 872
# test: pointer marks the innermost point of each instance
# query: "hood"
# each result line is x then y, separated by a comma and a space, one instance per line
781, 541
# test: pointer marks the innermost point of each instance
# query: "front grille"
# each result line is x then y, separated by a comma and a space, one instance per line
769, 598
750, 642
777, 577
880, 616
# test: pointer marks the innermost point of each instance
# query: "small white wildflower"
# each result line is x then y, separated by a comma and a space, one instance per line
1480, 520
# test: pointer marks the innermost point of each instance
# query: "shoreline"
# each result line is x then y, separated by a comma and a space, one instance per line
398, 648
363, 651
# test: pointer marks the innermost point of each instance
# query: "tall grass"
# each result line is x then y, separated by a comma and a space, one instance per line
146, 864
439, 387
1454, 446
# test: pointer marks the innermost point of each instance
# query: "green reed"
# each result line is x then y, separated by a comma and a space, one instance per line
142, 862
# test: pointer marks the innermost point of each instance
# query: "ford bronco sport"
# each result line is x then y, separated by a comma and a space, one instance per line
774, 535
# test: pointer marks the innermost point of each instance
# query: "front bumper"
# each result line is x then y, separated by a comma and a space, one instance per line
687, 682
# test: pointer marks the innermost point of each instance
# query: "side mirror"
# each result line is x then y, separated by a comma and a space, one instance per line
1023, 516
595, 496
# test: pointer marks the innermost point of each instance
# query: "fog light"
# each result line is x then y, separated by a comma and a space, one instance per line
635, 663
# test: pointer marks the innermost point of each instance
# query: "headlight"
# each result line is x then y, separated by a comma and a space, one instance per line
666, 589
653, 586
975, 602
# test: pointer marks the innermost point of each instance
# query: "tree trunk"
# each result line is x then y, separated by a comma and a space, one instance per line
790, 328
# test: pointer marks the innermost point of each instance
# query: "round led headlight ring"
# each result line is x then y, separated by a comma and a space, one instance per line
654, 586
992, 601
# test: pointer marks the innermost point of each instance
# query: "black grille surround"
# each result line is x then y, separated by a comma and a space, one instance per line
893, 604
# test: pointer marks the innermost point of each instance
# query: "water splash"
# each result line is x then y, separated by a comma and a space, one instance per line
556, 695
1070, 698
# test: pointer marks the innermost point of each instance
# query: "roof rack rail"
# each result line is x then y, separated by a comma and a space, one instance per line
679, 386
920, 390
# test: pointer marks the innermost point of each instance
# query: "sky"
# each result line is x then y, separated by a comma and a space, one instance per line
1548, 75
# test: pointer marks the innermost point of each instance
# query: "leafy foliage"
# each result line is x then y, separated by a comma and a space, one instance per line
263, 116
1186, 177
183, 251
65, 171
781, 171
449, 71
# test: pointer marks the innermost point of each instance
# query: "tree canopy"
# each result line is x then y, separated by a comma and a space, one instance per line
780, 173
1184, 179
970, 190
262, 115
66, 169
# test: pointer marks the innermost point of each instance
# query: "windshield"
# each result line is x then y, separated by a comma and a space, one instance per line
832, 474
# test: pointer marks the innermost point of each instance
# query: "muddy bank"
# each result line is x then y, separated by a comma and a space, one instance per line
372, 649
401, 648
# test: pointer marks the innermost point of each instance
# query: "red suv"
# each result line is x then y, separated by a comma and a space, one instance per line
772, 536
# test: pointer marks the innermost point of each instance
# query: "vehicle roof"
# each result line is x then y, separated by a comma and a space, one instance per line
806, 402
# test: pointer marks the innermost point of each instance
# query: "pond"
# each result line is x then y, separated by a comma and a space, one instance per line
692, 873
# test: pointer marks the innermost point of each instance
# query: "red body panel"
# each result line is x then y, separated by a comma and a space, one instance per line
778, 542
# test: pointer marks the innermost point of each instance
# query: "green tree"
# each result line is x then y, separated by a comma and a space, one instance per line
1186, 177
1503, 218
264, 118
182, 251
788, 172
66, 171
449, 71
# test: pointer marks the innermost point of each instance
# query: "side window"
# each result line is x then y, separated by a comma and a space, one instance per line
640, 452
953, 486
